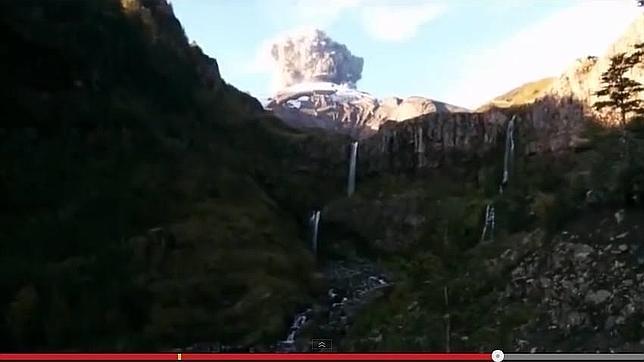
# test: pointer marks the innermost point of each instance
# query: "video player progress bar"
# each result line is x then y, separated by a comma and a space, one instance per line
574, 357
495, 356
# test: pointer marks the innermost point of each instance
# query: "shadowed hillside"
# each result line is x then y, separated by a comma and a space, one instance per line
146, 203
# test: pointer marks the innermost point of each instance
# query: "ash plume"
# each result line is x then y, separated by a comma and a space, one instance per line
314, 56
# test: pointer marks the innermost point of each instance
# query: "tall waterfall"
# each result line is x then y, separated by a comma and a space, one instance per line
351, 184
490, 219
508, 156
508, 161
315, 223
419, 145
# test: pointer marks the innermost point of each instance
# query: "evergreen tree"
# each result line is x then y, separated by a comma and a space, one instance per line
624, 95
622, 92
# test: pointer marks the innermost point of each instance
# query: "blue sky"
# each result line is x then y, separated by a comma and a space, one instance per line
461, 51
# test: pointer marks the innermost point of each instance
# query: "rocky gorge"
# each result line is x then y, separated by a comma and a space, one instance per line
151, 205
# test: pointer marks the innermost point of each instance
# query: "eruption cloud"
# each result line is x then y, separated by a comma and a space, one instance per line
313, 56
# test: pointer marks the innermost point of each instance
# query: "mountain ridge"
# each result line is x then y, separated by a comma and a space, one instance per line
581, 79
347, 110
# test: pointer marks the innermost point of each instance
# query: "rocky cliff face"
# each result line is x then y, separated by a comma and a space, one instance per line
346, 110
446, 149
583, 78
427, 140
549, 125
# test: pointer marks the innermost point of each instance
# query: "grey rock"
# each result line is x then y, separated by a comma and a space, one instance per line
575, 318
598, 297
620, 320
582, 251
619, 216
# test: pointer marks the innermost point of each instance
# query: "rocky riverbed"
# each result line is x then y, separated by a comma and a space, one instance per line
353, 285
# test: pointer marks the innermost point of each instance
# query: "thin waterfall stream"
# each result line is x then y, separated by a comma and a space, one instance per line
508, 162
351, 182
488, 227
314, 222
419, 146
508, 155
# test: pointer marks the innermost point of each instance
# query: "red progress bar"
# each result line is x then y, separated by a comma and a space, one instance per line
88, 356
245, 357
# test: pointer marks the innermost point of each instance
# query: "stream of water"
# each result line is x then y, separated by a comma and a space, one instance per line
355, 284
314, 221
351, 182
508, 161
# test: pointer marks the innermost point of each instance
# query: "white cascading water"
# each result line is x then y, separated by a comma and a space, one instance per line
315, 223
508, 159
290, 338
351, 184
420, 146
490, 219
288, 345
508, 156
299, 321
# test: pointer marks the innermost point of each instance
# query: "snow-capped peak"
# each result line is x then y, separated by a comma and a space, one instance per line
343, 91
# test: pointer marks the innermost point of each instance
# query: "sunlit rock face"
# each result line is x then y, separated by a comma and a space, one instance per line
551, 125
583, 79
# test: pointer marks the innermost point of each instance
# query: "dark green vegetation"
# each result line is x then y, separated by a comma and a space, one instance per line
623, 95
545, 195
145, 203
454, 292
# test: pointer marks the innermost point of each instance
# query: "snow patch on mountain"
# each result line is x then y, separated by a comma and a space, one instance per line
343, 108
